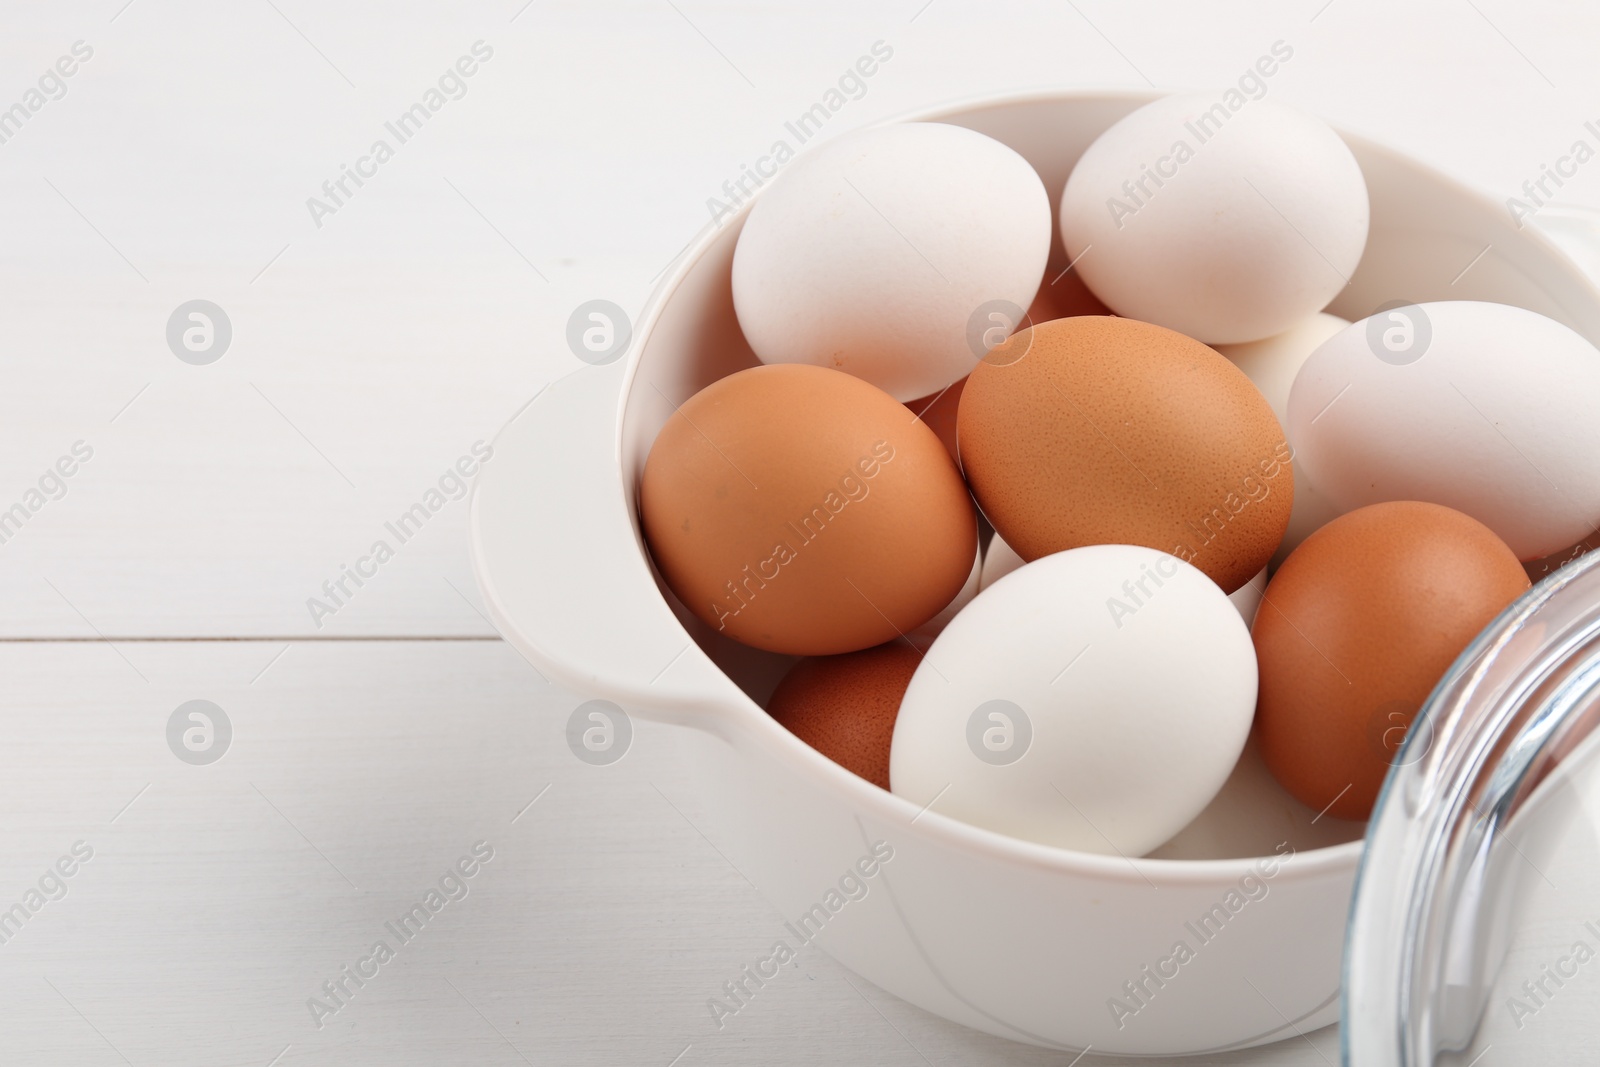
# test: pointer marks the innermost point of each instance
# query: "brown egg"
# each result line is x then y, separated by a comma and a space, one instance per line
1062, 294
801, 510
938, 413
1102, 430
845, 706
1357, 626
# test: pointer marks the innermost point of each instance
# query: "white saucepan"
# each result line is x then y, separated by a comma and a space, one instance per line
1028, 942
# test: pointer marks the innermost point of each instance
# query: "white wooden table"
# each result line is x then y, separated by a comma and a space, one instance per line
374, 746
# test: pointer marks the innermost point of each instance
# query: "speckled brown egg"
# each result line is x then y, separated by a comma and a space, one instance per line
1103, 430
1355, 630
801, 510
845, 706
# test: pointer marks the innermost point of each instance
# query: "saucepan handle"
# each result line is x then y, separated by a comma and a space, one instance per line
560, 564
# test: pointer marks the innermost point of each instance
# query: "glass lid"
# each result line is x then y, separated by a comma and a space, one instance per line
1475, 926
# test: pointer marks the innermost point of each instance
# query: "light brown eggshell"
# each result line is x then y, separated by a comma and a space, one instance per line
1062, 294
845, 706
801, 510
1103, 430
1066, 295
1357, 627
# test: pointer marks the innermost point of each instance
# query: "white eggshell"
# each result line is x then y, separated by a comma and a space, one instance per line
1260, 224
1247, 598
1000, 559
1485, 408
923, 635
1272, 364
1312, 510
873, 253
1124, 712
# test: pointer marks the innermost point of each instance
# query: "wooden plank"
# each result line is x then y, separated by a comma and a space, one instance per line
219, 897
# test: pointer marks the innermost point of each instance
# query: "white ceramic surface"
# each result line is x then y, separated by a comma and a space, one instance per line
1023, 941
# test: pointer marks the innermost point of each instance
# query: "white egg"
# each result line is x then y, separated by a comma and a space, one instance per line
1000, 559
923, 635
1485, 408
1247, 598
1272, 364
883, 253
1312, 510
1219, 216
1095, 699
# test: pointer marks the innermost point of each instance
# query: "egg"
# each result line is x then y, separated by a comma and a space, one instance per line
1222, 217
1247, 598
1063, 295
845, 706
1312, 511
1272, 364
800, 510
1101, 430
1356, 628
1485, 408
881, 252
1096, 700
938, 413
1060, 298
1000, 559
